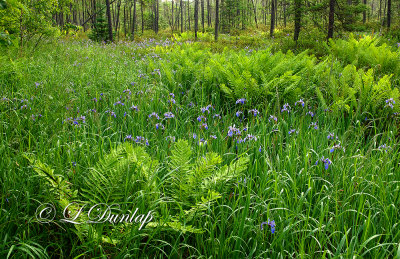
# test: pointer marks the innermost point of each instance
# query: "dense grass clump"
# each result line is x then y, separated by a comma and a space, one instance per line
239, 153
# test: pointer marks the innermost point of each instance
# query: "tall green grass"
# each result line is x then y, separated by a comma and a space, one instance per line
349, 209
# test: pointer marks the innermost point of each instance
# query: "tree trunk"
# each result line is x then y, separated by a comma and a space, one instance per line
134, 20
331, 18
389, 13
272, 27
196, 18
365, 12
110, 33
141, 14
202, 14
297, 19
181, 16
216, 19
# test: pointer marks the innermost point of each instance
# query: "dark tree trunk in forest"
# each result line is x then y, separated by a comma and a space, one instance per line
331, 18
110, 33
181, 16
172, 15
284, 13
141, 14
365, 12
297, 19
272, 27
389, 13
216, 19
134, 19
208, 13
196, 18
117, 18
255, 12
188, 13
202, 14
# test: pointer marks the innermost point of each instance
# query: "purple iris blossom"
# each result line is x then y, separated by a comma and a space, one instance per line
269, 223
194, 135
172, 95
293, 131
255, 112
301, 102
310, 113
129, 137
286, 108
153, 114
241, 101
205, 126
134, 107
217, 116
314, 125
331, 136
159, 125
213, 137
169, 115
384, 147
200, 118
389, 103
119, 102
326, 162
238, 113
172, 100
272, 117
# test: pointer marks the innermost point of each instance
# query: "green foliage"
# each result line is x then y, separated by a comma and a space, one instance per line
367, 52
100, 27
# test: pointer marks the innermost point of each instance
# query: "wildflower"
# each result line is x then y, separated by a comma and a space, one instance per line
191, 104
194, 135
269, 223
292, 131
310, 113
202, 141
384, 147
172, 100
134, 107
213, 137
73, 163
217, 116
119, 102
301, 102
254, 112
129, 137
172, 95
314, 125
272, 117
389, 103
206, 109
241, 101
153, 114
238, 113
169, 115
326, 162
285, 108
200, 118
159, 125
204, 125
250, 137
331, 136
259, 149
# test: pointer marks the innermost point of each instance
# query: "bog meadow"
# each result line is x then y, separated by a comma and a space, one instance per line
199, 129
